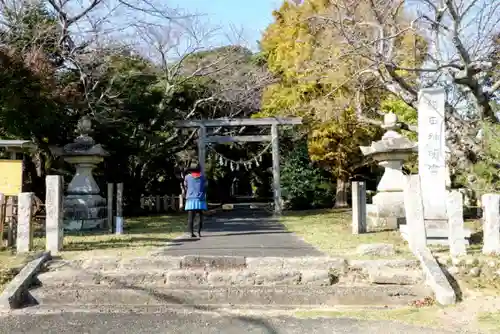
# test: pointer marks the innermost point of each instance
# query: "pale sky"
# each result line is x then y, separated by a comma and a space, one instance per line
251, 16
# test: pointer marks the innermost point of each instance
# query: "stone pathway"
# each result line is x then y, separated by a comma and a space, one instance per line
252, 233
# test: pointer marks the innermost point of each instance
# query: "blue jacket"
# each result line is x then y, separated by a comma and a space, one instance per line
195, 185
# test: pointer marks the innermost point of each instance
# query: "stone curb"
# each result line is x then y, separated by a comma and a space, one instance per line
16, 293
435, 278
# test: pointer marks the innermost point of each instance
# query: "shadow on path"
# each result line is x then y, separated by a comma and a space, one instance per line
253, 233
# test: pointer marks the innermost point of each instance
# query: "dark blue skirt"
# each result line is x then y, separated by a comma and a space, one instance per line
195, 204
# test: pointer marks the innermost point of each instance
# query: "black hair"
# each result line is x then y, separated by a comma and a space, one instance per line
194, 167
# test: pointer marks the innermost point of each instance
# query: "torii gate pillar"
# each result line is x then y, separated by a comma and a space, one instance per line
225, 122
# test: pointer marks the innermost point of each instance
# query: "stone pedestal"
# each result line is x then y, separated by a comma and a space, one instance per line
389, 200
84, 207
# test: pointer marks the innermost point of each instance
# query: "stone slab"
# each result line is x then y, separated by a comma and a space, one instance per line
187, 277
369, 264
231, 278
317, 278
376, 249
414, 211
315, 263
147, 263
16, 293
435, 278
264, 262
220, 262
393, 276
491, 224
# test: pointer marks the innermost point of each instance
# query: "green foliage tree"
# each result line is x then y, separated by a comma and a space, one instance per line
304, 186
483, 177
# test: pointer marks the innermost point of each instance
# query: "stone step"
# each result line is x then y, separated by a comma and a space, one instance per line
200, 277
159, 262
209, 263
320, 296
182, 277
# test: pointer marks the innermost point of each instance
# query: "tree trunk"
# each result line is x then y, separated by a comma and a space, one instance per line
341, 194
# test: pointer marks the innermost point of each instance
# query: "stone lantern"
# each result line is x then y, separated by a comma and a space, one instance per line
390, 152
84, 208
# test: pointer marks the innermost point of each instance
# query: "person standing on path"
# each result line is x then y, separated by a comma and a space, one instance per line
196, 197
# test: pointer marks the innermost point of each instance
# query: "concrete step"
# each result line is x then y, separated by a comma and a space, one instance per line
278, 296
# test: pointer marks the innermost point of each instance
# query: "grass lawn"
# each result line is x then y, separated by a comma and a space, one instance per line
141, 235
330, 231
9, 266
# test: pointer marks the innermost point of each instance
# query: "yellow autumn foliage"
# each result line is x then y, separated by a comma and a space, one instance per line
324, 79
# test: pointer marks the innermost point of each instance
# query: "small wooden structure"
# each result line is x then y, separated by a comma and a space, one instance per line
203, 140
10, 188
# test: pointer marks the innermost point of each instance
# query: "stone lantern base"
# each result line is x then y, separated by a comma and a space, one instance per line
84, 212
387, 211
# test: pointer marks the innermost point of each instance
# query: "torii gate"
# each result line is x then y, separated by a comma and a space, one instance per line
203, 140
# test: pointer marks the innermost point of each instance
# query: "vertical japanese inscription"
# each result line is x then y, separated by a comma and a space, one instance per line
431, 151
